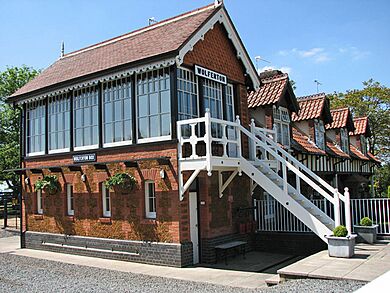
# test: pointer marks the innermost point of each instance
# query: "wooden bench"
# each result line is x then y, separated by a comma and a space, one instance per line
222, 250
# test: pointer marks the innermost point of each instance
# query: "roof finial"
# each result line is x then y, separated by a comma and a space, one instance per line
218, 2
62, 49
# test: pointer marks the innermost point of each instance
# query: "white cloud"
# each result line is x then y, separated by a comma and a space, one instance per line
317, 54
354, 52
284, 69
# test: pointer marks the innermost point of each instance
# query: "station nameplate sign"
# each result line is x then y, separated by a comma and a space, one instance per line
209, 74
84, 158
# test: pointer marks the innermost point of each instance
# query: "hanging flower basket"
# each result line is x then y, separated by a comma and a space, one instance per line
121, 182
49, 184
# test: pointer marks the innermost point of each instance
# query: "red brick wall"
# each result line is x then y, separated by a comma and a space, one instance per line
216, 52
127, 210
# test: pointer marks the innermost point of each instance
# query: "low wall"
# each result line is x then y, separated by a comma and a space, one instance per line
168, 254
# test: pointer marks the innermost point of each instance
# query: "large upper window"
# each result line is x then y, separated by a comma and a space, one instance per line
117, 109
86, 134
187, 96
36, 125
212, 94
59, 123
282, 125
344, 140
154, 105
320, 134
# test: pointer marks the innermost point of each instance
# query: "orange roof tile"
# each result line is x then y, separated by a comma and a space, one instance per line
356, 153
163, 37
373, 158
334, 150
270, 92
310, 107
361, 126
340, 118
303, 144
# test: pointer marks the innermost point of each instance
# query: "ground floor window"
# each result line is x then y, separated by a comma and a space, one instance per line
106, 201
150, 200
39, 202
69, 199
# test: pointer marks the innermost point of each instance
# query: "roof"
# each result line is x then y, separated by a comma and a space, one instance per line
341, 118
303, 144
361, 126
373, 158
274, 85
313, 107
356, 153
334, 150
161, 38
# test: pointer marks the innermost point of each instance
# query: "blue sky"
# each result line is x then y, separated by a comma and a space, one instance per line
339, 43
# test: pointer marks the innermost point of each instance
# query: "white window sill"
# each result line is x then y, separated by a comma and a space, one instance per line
119, 143
153, 139
151, 216
59, 151
70, 213
35, 154
88, 147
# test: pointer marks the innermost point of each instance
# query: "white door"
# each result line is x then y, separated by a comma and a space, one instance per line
193, 197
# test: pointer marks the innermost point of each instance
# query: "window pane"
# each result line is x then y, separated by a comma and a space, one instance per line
154, 104
143, 128
143, 106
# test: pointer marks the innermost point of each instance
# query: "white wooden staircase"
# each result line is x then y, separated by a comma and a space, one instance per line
268, 166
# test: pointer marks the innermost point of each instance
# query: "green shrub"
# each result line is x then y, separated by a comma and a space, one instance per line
49, 183
121, 180
366, 221
340, 231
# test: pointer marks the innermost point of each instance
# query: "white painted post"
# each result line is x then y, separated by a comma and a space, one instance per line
208, 140
336, 205
252, 145
297, 181
347, 205
179, 146
238, 135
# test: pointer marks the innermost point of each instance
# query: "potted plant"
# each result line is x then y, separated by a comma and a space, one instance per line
366, 231
49, 184
121, 182
340, 244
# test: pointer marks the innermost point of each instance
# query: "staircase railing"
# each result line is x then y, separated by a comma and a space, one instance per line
202, 130
290, 163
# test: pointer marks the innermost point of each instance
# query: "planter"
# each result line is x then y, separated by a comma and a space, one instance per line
341, 246
366, 234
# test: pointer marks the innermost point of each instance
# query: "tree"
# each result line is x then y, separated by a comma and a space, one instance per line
372, 101
10, 80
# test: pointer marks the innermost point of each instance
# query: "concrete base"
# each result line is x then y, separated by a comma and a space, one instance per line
366, 234
341, 246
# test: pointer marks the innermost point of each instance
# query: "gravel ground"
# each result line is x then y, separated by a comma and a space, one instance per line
22, 274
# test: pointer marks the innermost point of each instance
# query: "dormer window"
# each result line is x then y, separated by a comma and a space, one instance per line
320, 134
363, 144
282, 125
344, 140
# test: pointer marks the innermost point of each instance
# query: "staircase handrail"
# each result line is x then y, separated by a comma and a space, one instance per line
289, 165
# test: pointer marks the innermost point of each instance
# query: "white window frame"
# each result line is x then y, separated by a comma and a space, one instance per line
213, 86
148, 213
106, 196
363, 144
39, 202
55, 103
155, 138
70, 199
344, 140
194, 83
129, 85
30, 108
282, 118
84, 94
319, 131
